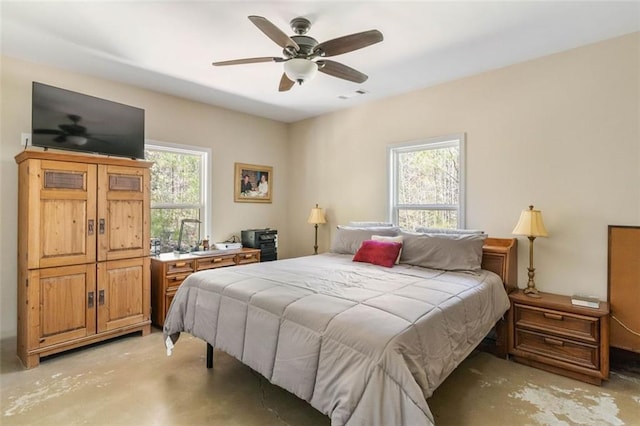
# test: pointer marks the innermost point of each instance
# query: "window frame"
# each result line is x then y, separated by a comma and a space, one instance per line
205, 178
457, 139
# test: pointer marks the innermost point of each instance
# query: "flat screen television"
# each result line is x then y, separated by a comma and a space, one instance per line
63, 119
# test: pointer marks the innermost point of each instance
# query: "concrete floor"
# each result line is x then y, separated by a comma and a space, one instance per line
131, 381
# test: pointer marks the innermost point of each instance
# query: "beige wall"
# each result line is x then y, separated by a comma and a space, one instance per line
232, 137
561, 132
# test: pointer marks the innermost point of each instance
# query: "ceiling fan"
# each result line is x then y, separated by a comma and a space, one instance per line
303, 54
70, 133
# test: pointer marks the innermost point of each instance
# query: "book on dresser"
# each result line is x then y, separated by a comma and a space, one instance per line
585, 301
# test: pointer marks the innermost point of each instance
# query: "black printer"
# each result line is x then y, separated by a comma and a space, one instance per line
264, 239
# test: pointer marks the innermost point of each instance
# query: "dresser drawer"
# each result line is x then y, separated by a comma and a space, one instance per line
564, 324
557, 348
216, 262
244, 258
169, 270
180, 266
174, 281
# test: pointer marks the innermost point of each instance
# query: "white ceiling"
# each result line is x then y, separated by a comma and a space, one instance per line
168, 46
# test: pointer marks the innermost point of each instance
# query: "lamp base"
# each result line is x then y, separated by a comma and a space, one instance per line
315, 247
531, 289
532, 292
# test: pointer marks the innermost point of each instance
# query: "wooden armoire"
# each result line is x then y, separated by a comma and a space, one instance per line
83, 251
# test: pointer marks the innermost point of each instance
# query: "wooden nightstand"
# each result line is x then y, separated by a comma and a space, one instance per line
169, 270
552, 334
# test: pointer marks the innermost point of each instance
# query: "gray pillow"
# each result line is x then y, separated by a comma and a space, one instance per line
448, 231
348, 239
449, 252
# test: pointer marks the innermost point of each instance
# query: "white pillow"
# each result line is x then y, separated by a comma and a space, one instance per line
397, 239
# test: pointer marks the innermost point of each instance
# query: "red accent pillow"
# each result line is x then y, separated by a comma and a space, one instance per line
381, 253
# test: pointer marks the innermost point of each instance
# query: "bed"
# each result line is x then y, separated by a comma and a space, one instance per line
362, 343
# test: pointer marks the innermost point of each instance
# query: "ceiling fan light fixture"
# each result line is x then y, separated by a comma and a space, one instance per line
76, 140
300, 70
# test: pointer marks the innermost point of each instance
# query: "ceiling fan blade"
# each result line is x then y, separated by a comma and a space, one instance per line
336, 69
285, 83
248, 61
349, 43
273, 32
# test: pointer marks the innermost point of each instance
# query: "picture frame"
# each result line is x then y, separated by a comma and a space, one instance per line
252, 183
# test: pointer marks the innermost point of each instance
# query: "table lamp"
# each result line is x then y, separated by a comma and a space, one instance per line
531, 225
316, 217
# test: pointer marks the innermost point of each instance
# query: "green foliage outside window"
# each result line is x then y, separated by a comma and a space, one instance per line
428, 187
176, 194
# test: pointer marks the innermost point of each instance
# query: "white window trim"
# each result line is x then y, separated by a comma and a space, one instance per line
393, 150
205, 178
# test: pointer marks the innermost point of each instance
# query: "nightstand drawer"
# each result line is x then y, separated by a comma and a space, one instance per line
557, 348
216, 262
562, 323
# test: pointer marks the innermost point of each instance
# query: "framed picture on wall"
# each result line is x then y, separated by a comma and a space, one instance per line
253, 183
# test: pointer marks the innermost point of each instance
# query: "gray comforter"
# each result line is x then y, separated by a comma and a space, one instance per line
364, 344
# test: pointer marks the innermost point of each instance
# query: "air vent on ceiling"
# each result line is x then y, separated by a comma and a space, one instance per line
353, 94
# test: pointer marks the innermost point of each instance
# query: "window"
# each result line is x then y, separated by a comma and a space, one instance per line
426, 182
179, 190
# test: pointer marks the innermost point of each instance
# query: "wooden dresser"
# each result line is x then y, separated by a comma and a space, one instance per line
552, 334
83, 251
169, 270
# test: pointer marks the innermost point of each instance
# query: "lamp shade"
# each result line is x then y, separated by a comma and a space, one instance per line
300, 70
530, 224
316, 216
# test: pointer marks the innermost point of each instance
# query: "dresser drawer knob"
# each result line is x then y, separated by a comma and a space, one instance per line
554, 342
248, 256
553, 316
180, 264
217, 259
179, 277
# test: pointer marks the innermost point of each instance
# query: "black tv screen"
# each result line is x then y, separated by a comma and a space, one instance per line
63, 119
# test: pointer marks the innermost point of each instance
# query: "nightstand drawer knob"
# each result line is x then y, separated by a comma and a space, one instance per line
554, 342
553, 316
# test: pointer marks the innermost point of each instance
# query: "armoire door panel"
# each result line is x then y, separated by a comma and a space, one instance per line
62, 205
123, 293
64, 228
123, 212
63, 295
127, 227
